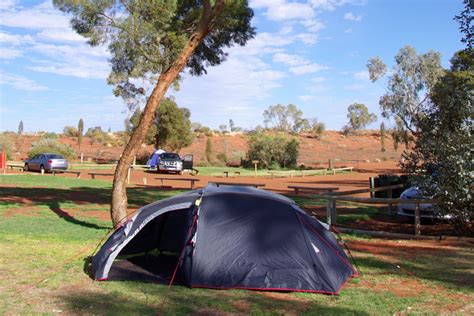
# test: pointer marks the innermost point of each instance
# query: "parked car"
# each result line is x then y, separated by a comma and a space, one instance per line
170, 162
45, 162
427, 210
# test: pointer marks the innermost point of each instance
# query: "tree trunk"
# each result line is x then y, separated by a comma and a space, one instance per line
118, 209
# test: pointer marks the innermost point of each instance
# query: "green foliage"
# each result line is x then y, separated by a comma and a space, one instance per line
50, 145
173, 126
466, 23
80, 132
284, 118
412, 79
98, 135
7, 145
359, 117
208, 150
442, 163
146, 37
133, 124
273, 149
222, 157
50, 135
20, 128
316, 128
70, 131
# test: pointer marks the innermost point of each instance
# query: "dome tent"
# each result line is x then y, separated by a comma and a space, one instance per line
228, 237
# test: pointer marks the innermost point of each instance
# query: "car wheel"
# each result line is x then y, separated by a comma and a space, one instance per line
26, 167
42, 170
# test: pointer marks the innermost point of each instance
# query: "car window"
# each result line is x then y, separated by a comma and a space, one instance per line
40, 156
55, 156
169, 156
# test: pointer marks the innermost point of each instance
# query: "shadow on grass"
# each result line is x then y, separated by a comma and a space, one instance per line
80, 196
148, 298
452, 267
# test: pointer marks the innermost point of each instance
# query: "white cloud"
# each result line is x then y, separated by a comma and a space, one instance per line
15, 39
362, 75
318, 79
306, 97
290, 59
297, 65
313, 25
352, 17
307, 38
349, 30
281, 10
21, 83
60, 35
6, 5
9, 53
330, 5
307, 69
39, 17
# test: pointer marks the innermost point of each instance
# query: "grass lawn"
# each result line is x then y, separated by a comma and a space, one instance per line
49, 226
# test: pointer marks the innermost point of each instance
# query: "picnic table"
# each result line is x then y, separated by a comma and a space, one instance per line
236, 173
21, 167
93, 174
77, 173
298, 188
256, 185
190, 180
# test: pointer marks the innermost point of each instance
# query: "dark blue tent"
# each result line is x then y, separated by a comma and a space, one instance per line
227, 237
154, 159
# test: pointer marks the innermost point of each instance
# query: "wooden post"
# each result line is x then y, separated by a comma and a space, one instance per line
328, 211
417, 219
144, 181
134, 160
331, 212
389, 207
82, 157
255, 163
372, 186
330, 164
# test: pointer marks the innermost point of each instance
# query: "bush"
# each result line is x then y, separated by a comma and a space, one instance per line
7, 145
51, 135
99, 136
48, 145
70, 131
222, 157
271, 149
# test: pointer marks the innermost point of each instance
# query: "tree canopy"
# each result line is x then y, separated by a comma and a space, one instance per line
173, 126
146, 37
359, 116
150, 43
409, 85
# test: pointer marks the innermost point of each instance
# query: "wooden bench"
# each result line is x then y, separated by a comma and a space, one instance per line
190, 180
298, 188
77, 173
12, 166
236, 173
256, 185
93, 174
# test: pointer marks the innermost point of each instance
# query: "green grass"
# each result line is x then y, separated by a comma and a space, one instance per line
43, 253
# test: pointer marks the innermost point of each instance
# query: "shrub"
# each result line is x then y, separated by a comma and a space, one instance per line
222, 157
70, 131
49, 145
7, 145
208, 151
270, 149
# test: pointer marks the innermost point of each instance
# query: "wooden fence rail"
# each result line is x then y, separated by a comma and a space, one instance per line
332, 198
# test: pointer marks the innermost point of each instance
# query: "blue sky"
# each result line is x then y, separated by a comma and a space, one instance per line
309, 53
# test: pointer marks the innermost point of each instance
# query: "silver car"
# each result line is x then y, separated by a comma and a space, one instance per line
45, 162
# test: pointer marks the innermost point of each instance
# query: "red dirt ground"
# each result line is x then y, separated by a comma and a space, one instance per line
346, 181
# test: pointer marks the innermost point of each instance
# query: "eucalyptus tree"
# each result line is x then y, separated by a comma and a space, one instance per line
153, 41
412, 79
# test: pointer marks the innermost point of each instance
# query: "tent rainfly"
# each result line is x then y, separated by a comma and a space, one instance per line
227, 237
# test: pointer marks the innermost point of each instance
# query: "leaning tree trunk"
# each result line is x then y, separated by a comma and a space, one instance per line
118, 209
